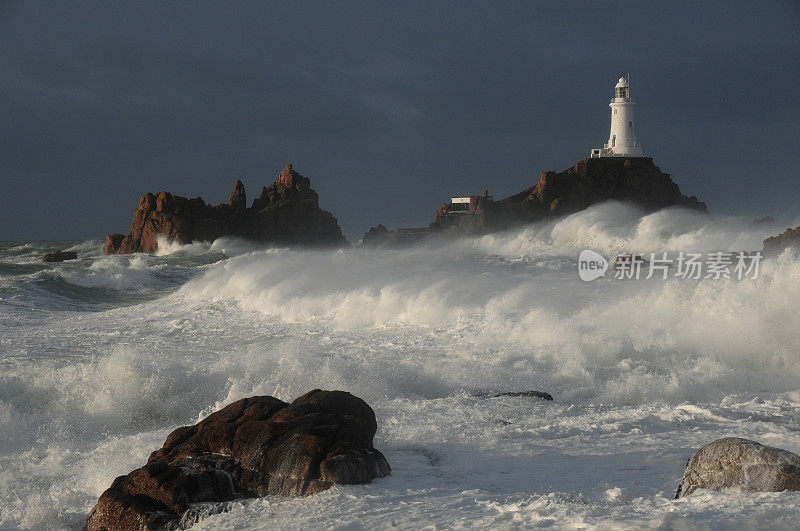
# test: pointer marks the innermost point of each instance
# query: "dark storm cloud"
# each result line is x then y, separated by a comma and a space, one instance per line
387, 109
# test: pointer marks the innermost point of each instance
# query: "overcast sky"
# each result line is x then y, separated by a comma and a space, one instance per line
389, 110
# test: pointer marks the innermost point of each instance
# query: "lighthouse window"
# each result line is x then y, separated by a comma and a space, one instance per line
630, 123
615, 111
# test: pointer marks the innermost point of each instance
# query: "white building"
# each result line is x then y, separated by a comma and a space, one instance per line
460, 204
622, 139
466, 204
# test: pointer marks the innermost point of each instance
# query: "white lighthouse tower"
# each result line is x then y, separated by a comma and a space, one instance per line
622, 139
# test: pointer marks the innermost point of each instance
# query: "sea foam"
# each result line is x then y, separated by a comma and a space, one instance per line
643, 372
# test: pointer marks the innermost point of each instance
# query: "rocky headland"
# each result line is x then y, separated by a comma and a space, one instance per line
255, 447
591, 181
286, 212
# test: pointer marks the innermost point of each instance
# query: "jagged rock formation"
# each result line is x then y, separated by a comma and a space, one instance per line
285, 212
743, 464
588, 182
776, 244
258, 446
59, 256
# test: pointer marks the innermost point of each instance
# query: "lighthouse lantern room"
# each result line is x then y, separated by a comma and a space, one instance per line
622, 139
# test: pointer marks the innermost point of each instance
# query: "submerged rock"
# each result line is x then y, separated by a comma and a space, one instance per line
537, 394
59, 256
258, 446
740, 463
285, 212
497, 394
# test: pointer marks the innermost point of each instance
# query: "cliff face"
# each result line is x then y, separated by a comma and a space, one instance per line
285, 212
590, 181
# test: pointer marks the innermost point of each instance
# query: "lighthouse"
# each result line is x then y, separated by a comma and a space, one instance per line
622, 139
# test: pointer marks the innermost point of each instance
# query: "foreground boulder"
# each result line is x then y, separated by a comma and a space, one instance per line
776, 244
59, 256
258, 446
740, 463
286, 212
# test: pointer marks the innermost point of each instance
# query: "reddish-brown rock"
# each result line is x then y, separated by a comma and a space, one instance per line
287, 176
113, 243
286, 212
255, 447
788, 238
238, 200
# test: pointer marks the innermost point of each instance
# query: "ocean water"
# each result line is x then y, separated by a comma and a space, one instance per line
100, 358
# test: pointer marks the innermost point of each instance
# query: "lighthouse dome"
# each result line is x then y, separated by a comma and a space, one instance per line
623, 82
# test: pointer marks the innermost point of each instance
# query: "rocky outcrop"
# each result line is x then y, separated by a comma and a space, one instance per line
113, 243
59, 256
286, 212
591, 181
255, 447
588, 182
776, 244
743, 464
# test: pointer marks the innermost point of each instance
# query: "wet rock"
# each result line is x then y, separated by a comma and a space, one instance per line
255, 447
537, 394
59, 256
495, 394
740, 463
286, 212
